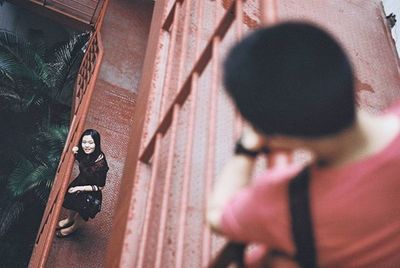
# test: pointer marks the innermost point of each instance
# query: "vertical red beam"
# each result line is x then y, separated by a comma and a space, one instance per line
269, 11
170, 163
182, 55
187, 173
211, 145
153, 178
168, 177
167, 186
239, 33
170, 59
189, 144
239, 19
119, 243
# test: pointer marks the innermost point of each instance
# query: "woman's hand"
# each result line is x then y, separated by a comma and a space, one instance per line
74, 189
75, 149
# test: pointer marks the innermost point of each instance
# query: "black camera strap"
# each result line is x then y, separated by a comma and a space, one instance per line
302, 230
302, 227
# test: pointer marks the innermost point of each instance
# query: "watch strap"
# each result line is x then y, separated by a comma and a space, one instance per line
241, 150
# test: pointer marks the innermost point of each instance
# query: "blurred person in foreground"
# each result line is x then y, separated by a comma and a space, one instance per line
294, 85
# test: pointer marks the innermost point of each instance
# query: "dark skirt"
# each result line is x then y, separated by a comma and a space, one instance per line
82, 202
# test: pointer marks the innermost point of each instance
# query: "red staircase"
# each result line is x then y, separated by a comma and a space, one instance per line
81, 14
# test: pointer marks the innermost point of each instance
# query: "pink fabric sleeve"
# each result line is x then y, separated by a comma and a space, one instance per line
239, 223
241, 218
249, 214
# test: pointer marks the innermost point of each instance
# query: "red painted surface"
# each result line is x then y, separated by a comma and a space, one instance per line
187, 126
165, 223
362, 29
124, 34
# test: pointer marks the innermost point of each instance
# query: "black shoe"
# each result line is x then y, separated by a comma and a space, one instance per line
59, 234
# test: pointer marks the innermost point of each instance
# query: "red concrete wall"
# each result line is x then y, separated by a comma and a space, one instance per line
361, 27
188, 125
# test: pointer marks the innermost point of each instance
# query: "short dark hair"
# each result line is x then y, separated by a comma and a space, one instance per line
293, 79
96, 138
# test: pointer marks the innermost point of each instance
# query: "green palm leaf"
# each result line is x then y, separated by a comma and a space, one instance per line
8, 66
9, 214
42, 191
50, 144
19, 178
35, 90
8, 94
27, 176
23, 57
65, 64
9, 100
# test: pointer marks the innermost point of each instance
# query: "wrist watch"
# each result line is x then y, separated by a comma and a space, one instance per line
241, 150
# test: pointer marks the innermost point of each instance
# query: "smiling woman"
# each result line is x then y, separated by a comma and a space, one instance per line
83, 198
88, 144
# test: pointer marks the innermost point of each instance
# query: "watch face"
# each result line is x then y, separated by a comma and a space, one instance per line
88, 144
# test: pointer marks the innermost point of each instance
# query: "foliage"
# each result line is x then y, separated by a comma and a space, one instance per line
33, 77
36, 87
10, 212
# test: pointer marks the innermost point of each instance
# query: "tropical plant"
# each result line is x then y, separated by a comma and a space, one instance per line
39, 170
36, 76
36, 87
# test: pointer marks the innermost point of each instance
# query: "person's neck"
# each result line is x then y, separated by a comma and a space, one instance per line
369, 135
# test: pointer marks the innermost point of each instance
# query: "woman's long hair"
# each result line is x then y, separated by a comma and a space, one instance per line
81, 155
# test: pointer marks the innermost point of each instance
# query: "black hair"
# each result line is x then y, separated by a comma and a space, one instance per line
97, 149
292, 79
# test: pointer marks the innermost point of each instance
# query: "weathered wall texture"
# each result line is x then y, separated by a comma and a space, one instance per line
361, 27
188, 126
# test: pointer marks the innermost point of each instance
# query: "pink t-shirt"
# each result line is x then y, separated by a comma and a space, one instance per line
355, 211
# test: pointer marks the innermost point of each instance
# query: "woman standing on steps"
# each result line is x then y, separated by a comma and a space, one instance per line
83, 198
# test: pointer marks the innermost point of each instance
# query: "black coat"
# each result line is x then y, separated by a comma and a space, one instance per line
90, 173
